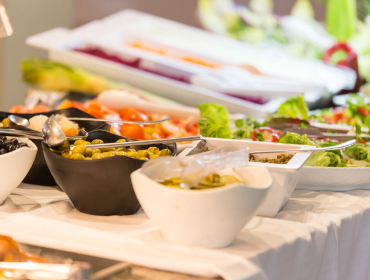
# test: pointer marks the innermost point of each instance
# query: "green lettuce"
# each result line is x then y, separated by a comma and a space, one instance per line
359, 152
293, 108
295, 138
322, 158
214, 121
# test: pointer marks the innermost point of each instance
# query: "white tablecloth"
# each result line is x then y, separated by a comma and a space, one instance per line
317, 235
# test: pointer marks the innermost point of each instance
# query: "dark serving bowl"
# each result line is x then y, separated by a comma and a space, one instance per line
102, 186
39, 173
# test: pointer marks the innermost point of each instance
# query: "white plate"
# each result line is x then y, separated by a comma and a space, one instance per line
334, 178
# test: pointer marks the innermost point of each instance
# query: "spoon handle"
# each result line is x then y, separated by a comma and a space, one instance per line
119, 121
336, 147
33, 134
145, 142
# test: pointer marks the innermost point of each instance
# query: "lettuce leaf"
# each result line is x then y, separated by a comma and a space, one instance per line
359, 152
295, 138
214, 121
294, 108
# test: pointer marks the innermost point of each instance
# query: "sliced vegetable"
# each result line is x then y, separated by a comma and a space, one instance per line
294, 108
214, 121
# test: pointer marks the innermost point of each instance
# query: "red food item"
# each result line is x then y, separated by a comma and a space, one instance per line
131, 114
273, 134
134, 131
363, 111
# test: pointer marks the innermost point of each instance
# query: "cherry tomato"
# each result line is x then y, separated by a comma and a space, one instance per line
363, 111
131, 114
134, 131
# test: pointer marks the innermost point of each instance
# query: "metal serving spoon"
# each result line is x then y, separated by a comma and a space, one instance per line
55, 138
336, 147
24, 122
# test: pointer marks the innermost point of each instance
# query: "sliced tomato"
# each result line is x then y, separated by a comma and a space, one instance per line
131, 114
134, 131
71, 131
363, 111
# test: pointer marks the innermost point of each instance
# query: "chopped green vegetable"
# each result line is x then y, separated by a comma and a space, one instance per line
245, 127
295, 138
214, 121
359, 152
294, 108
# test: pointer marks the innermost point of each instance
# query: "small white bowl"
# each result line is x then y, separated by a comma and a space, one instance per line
208, 218
14, 166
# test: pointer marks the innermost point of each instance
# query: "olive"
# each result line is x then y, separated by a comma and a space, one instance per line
77, 157
131, 154
131, 150
165, 152
79, 142
88, 152
97, 156
121, 141
152, 156
67, 154
97, 141
13, 141
94, 151
110, 154
153, 150
3, 138
142, 158
122, 150
6, 122
107, 149
79, 149
7, 145
3, 151
142, 153
12, 148
121, 153
88, 158
20, 145
2, 143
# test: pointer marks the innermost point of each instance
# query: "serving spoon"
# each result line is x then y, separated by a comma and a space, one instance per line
55, 138
24, 122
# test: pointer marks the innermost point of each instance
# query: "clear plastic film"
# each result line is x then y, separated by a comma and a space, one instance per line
192, 169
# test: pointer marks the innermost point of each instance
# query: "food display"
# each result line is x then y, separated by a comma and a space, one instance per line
209, 182
8, 145
280, 159
80, 152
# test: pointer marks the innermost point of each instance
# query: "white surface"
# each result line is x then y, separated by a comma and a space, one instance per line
207, 218
316, 236
57, 42
285, 176
334, 178
14, 166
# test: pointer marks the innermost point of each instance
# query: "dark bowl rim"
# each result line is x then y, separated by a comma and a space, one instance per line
45, 148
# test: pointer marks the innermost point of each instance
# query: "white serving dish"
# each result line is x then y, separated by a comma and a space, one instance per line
207, 218
334, 178
284, 176
58, 42
14, 166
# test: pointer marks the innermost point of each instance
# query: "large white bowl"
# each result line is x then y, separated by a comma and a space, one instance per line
285, 176
14, 166
208, 218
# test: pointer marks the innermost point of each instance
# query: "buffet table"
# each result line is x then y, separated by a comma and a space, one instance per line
317, 235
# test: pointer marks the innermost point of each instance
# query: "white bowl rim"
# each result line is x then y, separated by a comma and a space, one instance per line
30, 144
212, 190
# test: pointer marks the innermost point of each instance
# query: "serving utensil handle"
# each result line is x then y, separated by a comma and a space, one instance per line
119, 121
145, 142
336, 147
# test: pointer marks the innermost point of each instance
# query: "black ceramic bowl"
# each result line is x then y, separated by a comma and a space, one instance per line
39, 173
103, 186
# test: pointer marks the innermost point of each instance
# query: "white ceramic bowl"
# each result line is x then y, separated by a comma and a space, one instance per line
285, 176
208, 218
14, 166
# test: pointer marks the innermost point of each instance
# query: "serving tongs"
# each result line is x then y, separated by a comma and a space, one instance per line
313, 132
55, 138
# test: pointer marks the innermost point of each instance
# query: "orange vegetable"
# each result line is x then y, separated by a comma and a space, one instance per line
134, 131
71, 131
131, 114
